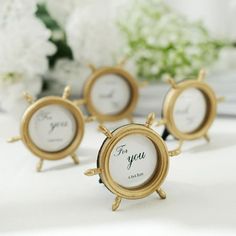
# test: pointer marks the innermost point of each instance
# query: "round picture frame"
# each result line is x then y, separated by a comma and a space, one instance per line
151, 182
127, 82
202, 115
41, 119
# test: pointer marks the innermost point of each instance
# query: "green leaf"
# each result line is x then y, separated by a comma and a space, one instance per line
63, 49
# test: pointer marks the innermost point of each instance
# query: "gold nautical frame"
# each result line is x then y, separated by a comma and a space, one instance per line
34, 106
98, 73
159, 175
168, 108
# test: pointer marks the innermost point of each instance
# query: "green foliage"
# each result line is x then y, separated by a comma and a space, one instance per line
58, 36
162, 42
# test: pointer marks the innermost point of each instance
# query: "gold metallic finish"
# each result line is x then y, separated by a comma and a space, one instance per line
14, 139
122, 62
75, 158
67, 92
172, 82
161, 122
88, 119
201, 75
71, 148
151, 186
79, 102
220, 99
177, 151
161, 193
92, 67
28, 97
45, 102
92, 172
206, 136
126, 113
150, 120
39, 165
169, 103
105, 131
116, 203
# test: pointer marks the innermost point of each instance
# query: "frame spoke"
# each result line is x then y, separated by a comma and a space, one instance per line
116, 203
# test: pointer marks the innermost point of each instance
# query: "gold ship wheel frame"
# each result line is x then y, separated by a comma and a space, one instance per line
169, 104
159, 175
34, 106
98, 73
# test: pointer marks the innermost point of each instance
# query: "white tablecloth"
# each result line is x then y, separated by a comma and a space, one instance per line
200, 187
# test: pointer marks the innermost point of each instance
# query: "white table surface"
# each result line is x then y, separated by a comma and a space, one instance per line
200, 187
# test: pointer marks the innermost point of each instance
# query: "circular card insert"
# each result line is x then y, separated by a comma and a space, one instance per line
110, 94
190, 110
133, 161
52, 128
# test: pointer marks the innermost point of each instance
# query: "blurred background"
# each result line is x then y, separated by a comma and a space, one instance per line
45, 45
48, 44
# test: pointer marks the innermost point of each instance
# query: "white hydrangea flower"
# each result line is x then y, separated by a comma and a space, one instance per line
13, 10
68, 72
11, 99
61, 11
161, 41
24, 48
93, 34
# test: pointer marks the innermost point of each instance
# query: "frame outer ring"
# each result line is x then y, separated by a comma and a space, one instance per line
133, 99
52, 100
149, 187
169, 103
